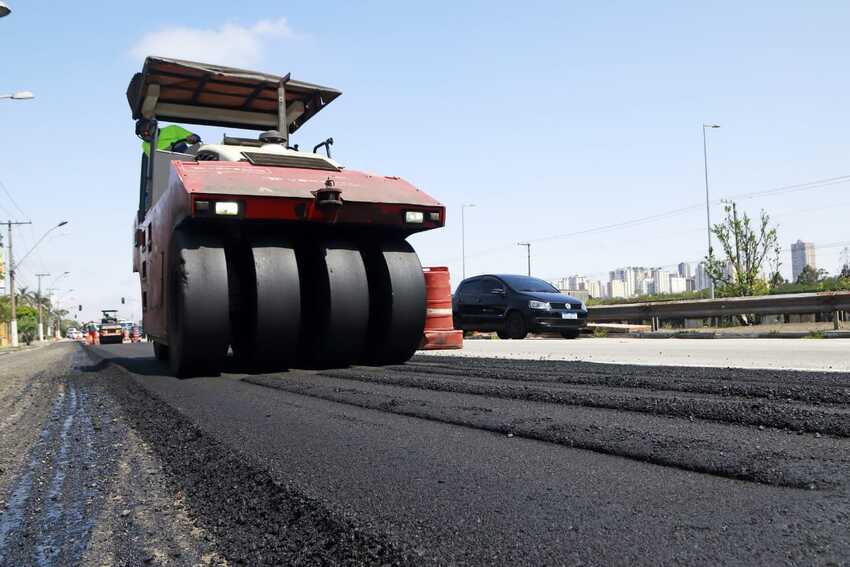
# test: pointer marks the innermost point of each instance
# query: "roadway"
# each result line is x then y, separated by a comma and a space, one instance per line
780, 354
451, 460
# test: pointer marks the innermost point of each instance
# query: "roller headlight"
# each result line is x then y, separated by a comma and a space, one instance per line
227, 208
414, 217
534, 304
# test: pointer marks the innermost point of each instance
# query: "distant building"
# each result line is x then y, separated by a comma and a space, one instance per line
630, 277
802, 255
594, 288
701, 279
662, 280
616, 288
684, 269
678, 284
576, 282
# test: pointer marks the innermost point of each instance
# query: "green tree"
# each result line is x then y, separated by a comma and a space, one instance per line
5, 309
845, 271
776, 280
745, 250
810, 276
27, 323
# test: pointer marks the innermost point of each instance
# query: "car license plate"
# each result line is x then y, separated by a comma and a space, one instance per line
569, 315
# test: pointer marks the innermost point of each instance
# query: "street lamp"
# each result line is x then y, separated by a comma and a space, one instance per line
707, 207
463, 238
5, 10
40, 301
60, 298
528, 249
20, 95
13, 266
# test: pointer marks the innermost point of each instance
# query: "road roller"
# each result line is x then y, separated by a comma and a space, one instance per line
110, 331
254, 252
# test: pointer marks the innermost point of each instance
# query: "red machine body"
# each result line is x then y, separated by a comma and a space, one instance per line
283, 255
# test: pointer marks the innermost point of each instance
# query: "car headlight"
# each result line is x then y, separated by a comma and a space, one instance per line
534, 304
583, 306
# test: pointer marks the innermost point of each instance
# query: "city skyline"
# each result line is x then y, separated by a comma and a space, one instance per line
633, 281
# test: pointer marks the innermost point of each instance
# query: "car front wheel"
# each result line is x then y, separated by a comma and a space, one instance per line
515, 326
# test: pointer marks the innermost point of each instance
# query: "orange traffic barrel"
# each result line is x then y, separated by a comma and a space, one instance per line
439, 330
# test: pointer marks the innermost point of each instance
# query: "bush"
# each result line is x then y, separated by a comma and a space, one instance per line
600, 332
27, 328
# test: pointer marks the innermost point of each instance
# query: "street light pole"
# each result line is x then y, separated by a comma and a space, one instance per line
707, 200
13, 325
13, 316
463, 238
40, 301
52, 286
528, 250
60, 297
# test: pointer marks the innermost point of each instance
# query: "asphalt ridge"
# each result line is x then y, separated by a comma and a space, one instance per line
378, 454
255, 519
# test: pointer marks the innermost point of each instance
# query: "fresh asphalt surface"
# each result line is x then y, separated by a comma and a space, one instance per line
503, 462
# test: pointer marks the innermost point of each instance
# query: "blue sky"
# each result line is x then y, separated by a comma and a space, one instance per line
552, 117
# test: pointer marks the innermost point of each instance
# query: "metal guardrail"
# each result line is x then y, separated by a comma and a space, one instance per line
789, 303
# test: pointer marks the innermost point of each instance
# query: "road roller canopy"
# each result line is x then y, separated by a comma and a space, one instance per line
200, 93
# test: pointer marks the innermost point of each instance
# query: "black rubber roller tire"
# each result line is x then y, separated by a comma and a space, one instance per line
266, 335
198, 304
334, 303
396, 302
160, 351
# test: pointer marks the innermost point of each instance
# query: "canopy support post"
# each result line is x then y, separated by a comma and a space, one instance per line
283, 120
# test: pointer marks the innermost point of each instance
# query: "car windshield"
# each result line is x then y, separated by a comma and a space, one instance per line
525, 283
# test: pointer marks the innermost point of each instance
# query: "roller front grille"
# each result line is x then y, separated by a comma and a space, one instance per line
278, 160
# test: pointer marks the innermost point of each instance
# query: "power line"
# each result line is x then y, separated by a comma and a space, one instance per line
11, 199
817, 184
784, 250
28, 240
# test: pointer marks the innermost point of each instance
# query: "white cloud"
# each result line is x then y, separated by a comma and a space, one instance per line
229, 44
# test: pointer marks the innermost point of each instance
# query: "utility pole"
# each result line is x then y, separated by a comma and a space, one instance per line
463, 238
13, 325
707, 202
40, 301
528, 250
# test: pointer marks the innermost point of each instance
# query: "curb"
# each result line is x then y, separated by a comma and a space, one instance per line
715, 335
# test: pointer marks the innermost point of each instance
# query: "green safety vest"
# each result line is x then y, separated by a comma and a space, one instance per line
167, 136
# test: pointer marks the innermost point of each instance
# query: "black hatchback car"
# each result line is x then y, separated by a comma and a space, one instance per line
513, 306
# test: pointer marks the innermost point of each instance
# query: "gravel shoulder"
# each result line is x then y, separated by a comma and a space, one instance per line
79, 487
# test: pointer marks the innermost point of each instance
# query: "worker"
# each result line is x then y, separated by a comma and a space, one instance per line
174, 138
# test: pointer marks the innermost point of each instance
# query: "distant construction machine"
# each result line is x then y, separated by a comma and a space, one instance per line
110, 331
283, 255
